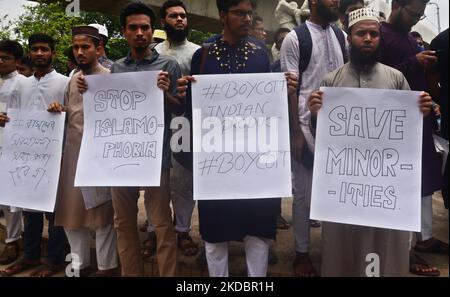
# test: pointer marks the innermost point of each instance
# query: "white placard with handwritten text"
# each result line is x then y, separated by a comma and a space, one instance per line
31, 159
241, 137
367, 168
123, 131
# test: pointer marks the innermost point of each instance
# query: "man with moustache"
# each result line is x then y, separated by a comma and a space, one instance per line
138, 21
345, 247
38, 92
71, 212
325, 52
175, 22
252, 221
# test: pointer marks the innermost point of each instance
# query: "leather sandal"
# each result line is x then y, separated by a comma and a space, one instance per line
149, 246
47, 270
303, 266
20, 266
185, 243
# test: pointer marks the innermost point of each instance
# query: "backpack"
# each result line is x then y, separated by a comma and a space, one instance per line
306, 45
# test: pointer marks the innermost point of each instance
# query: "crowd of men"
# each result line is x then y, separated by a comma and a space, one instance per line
364, 52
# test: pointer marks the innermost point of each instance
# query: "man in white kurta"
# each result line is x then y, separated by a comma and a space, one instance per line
38, 91
326, 56
10, 87
175, 23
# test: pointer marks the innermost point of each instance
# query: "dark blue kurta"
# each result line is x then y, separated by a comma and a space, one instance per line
229, 220
399, 51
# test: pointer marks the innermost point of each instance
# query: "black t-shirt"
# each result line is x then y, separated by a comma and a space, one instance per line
441, 46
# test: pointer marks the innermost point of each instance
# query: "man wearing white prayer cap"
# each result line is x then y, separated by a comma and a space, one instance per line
361, 251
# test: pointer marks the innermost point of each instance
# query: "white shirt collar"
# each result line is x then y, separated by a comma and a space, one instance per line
48, 75
9, 75
319, 27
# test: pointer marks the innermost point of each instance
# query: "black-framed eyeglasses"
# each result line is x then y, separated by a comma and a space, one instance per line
414, 15
241, 13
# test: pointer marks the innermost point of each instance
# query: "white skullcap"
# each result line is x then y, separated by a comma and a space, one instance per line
363, 14
101, 29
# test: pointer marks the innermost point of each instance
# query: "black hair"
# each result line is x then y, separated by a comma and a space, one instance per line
168, 4
12, 47
96, 41
344, 4
104, 40
137, 8
69, 54
41, 37
256, 19
407, 2
224, 5
416, 34
26, 61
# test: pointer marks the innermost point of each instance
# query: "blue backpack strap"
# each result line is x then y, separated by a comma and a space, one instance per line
341, 38
305, 46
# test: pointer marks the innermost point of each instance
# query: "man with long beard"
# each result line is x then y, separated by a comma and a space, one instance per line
175, 22
345, 247
311, 61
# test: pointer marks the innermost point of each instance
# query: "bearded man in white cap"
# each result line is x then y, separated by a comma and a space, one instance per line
345, 247
102, 58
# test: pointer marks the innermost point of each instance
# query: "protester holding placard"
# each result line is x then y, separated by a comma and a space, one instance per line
222, 221
10, 86
71, 210
138, 21
311, 50
41, 89
348, 250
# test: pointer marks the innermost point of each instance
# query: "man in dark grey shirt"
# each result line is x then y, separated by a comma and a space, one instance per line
137, 21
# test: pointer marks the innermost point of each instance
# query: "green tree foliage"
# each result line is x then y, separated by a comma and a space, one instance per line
52, 20
199, 37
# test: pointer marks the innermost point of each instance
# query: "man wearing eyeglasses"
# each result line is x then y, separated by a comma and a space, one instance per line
399, 49
221, 221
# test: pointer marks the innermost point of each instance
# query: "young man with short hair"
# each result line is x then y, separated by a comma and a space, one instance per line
38, 91
138, 21
10, 87
70, 208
